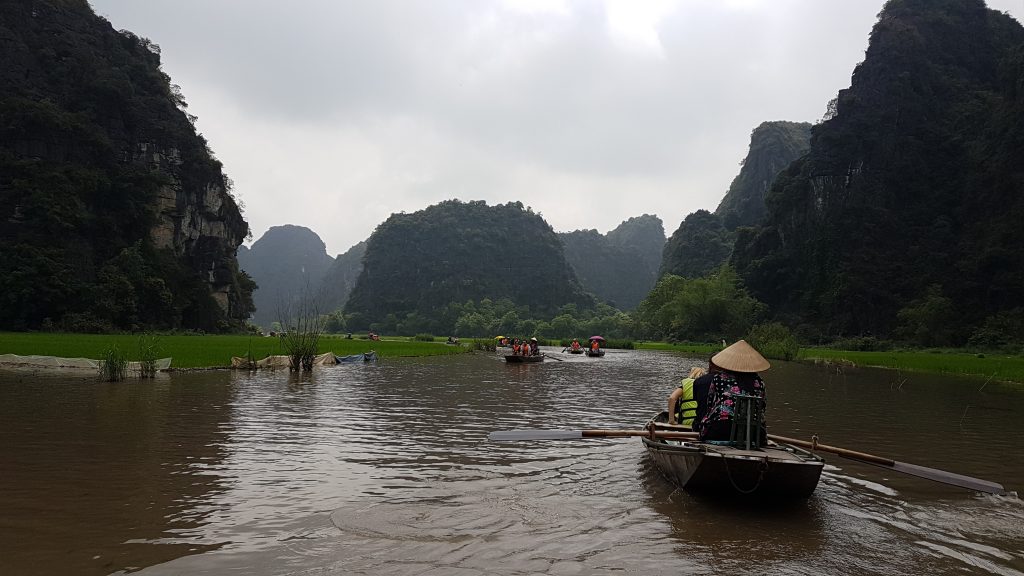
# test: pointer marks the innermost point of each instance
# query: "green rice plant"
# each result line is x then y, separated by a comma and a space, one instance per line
701, 350
424, 337
114, 365
149, 351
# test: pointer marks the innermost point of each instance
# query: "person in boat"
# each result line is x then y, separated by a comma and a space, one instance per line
515, 346
575, 344
594, 345
682, 405
534, 347
734, 373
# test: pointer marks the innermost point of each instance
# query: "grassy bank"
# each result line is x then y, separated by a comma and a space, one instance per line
202, 351
995, 366
699, 350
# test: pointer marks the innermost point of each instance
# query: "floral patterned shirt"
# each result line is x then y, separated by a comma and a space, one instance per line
721, 405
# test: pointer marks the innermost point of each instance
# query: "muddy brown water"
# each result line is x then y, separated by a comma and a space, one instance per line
385, 469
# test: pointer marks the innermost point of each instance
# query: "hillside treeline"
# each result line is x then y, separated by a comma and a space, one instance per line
903, 219
107, 193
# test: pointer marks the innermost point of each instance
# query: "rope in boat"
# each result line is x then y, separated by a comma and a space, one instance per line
725, 462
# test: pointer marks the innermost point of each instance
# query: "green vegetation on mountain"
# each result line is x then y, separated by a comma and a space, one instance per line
341, 276
704, 241
620, 267
417, 264
644, 236
108, 196
287, 262
903, 220
700, 245
773, 146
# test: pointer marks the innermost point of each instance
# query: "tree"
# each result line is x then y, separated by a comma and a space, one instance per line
929, 320
702, 309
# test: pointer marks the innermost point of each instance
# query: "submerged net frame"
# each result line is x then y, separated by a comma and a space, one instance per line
55, 362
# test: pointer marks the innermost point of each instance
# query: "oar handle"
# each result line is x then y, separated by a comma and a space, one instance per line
851, 454
645, 433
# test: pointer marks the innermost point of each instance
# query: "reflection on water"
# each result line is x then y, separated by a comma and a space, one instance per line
384, 469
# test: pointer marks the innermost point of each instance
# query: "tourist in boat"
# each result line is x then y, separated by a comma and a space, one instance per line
735, 372
534, 347
595, 346
575, 344
515, 346
682, 405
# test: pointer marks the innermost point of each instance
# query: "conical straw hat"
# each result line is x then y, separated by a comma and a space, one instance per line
741, 357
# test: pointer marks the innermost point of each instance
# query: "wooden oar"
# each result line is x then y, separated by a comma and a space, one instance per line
515, 435
552, 357
933, 474
897, 466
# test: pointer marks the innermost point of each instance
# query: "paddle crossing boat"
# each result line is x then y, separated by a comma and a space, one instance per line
741, 467
517, 359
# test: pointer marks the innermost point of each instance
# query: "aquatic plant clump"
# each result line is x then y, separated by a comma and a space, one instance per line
114, 365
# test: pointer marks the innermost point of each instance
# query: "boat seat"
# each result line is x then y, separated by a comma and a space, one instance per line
746, 433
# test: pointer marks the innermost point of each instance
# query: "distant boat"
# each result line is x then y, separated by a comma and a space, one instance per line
516, 359
596, 354
370, 356
576, 351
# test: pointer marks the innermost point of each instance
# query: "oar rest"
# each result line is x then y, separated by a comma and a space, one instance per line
746, 430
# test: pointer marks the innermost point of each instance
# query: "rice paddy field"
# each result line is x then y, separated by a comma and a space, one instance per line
1001, 367
204, 351
211, 351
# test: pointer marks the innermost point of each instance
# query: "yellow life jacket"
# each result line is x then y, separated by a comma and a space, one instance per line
686, 406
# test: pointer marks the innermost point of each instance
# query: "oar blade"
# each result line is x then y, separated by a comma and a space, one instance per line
519, 435
944, 477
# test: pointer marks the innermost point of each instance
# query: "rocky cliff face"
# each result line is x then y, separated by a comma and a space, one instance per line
201, 224
704, 240
111, 200
904, 215
773, 146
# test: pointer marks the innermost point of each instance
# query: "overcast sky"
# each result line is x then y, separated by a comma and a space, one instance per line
335, 114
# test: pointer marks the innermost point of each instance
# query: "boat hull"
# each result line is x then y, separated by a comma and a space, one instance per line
597, 354
774, 472
516, 359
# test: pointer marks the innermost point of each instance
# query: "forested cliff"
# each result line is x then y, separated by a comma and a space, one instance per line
287, 262
904, 218
453, 252
291, 266
115, 213
620, 267
773, 146
704, 240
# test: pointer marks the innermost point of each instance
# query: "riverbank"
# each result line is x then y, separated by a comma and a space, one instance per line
1000, 367
207, 350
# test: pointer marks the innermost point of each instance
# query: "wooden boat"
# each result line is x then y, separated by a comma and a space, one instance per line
772, 472
515, 358
597, 354
576, 351
370, 356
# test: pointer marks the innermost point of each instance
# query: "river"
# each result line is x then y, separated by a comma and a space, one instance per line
385, 469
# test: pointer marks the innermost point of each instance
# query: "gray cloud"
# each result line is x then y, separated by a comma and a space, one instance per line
333, 115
